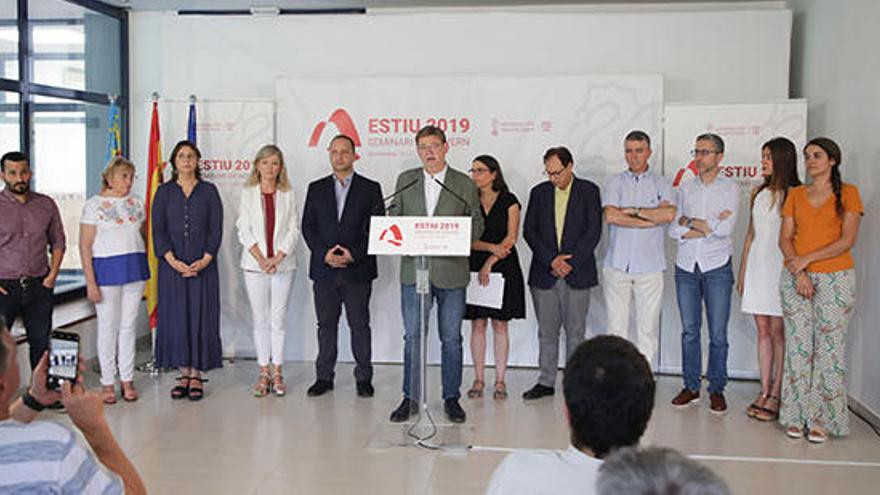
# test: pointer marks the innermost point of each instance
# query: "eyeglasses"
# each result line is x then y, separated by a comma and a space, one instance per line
696, 153
478, 171
432, 147
555, 174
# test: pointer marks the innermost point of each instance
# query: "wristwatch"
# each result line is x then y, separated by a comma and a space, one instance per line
638, 212
31, 402
690, 223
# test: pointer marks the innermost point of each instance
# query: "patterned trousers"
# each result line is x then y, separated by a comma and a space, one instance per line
814, 376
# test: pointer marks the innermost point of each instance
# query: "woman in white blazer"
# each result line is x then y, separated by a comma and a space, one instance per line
268, 228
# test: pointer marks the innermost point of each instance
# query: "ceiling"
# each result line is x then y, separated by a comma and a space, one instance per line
143, 5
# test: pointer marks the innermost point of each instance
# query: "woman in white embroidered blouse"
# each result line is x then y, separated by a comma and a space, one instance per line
114, 261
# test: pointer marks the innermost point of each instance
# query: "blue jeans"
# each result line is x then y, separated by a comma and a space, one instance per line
692, 289
450, 311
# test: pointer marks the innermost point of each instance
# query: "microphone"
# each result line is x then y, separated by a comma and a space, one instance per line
393, 195
457, 196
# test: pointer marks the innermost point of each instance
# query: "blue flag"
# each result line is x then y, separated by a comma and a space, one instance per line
114, 133
191, 123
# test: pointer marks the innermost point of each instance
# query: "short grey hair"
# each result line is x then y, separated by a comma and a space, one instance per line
656, 471
715, 138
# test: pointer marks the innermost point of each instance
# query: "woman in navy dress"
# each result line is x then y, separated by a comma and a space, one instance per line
187, 221
495, 252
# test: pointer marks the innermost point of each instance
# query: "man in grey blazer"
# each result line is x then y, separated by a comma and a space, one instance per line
435, 189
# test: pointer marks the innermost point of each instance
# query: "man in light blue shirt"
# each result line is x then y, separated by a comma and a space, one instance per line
703, 229
637, 203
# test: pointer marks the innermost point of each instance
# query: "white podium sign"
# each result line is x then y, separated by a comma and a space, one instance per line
416, 236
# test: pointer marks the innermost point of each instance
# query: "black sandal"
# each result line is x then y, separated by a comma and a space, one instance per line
196, 393
180, 391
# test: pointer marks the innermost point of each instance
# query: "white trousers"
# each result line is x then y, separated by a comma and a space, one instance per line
268, 296
117, 313
619, 288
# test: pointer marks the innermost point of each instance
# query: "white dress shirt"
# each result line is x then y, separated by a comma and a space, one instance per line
432, 189
705, 201
551, 472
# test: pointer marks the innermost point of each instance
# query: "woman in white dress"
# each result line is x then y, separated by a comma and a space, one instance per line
761, 267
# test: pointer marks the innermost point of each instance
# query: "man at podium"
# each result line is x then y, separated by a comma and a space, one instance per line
435, 189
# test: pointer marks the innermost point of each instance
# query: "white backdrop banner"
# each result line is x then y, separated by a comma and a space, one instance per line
744, 128
229, 133
513, 119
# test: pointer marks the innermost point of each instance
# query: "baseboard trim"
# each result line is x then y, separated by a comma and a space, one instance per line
865, 412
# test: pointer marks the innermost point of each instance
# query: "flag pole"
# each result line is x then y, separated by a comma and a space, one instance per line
154, 178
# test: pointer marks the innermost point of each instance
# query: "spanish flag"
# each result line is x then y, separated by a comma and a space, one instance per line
155, 168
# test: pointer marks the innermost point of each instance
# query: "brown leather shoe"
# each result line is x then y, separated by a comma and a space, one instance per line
717, 404
686, 397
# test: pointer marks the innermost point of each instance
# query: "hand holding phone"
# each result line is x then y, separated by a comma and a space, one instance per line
63, 359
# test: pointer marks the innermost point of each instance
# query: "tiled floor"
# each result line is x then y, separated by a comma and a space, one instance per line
236, 444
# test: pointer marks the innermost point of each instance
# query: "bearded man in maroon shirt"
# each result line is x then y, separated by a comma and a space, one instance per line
30, 225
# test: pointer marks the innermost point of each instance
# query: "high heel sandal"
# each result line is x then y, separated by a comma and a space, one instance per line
476, 390
129, 394
500, 392
180, 390
278, 385
753, 409
197, 392
109, 394
766, 413
261, 389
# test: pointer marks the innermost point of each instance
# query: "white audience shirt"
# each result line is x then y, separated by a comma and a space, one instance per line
706, 201
433, 190
551, 472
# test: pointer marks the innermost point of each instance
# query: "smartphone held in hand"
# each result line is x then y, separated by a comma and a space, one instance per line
63, 358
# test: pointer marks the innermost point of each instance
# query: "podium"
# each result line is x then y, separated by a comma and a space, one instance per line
422, 237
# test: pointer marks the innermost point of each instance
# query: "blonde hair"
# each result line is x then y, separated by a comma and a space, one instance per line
281, 182
115, 163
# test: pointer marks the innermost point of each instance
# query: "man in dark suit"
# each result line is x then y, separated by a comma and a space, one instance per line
335, 225
562, 227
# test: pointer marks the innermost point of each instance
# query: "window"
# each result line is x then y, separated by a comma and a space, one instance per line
74, 47
10, 128
8, 40
54, 101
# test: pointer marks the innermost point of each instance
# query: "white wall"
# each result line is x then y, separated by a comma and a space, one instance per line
712, 55
836, 67
704, 56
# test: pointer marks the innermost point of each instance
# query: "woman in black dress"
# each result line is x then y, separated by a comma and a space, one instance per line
495, 252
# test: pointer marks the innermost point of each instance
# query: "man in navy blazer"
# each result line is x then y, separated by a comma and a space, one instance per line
335, 225
562, 227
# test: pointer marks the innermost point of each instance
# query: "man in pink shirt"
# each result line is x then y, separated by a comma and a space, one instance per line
29, 224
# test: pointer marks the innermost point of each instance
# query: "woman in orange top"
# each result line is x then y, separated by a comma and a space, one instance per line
820, 222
